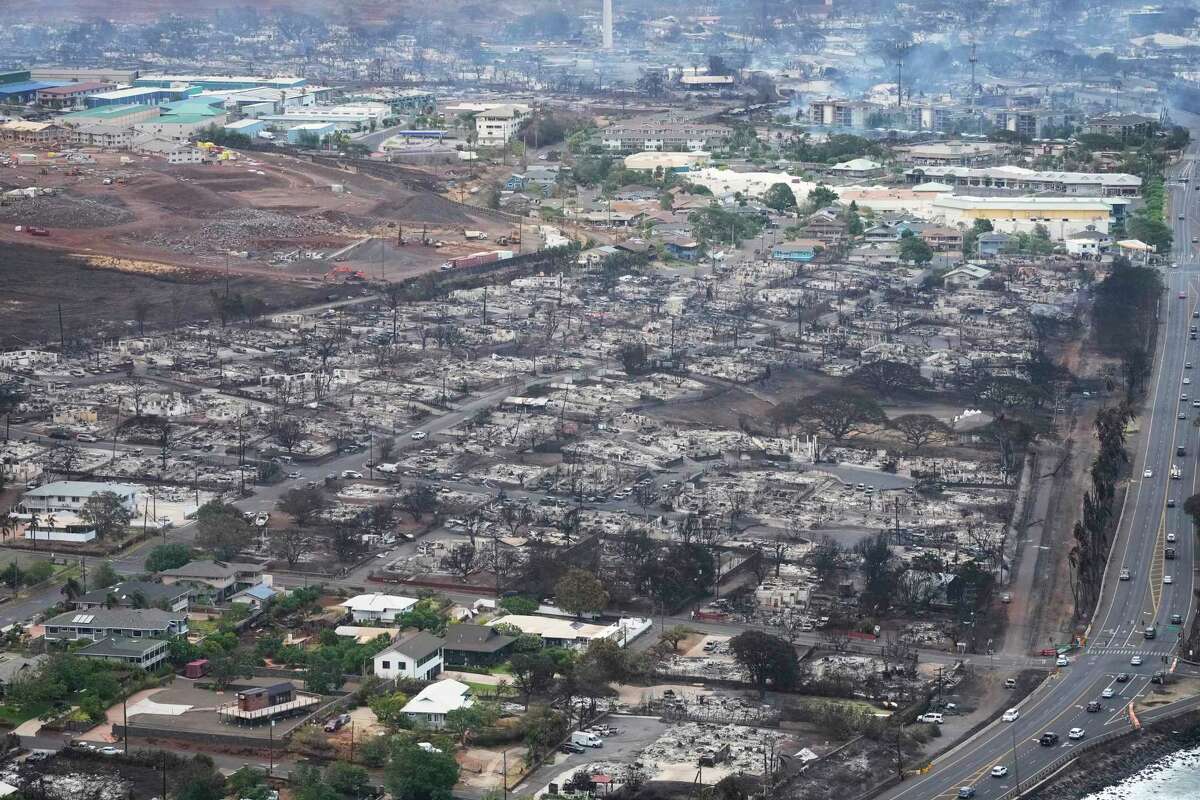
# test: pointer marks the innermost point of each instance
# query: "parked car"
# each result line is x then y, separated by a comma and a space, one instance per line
337, 723
348, 474
931, 718
418, 435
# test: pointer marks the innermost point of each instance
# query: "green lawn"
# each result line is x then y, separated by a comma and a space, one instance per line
11, 716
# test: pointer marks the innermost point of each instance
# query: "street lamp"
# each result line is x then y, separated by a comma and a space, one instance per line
271, 749
1016, 764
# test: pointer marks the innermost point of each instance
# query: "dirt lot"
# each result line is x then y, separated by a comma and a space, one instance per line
262, 205
36, 281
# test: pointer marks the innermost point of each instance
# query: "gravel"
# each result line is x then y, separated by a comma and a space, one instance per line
66, 211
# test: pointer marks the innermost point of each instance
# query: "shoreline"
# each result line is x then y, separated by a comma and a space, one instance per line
1098, 769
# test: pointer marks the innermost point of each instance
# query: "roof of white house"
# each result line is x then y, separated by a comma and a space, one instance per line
80, 489
383, 603
440, 697
857, 165
553, 628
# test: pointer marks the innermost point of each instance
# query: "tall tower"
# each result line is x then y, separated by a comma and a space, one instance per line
606, 25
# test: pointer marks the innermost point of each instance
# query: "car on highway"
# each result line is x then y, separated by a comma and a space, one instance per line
1168, 579
1107, 693
1124, 575
1177, 619
1075, 733
1062, 661
966, 791
1048, 739
999, 771
1093, 706
1122, 677
1181, 415
1148, 473
1135, 661
1171, 537
1011, 715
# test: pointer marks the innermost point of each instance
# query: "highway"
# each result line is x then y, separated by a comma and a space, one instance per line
1115, 637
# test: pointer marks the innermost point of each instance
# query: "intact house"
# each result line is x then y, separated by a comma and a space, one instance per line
968, 276
136, 594
1088, 243
101, 623
211, 582
378, 607
683, 249
475, 646
418, 657
556, 632
52, 511
142, 653
858, 168
431, 705
802, 250
991, 244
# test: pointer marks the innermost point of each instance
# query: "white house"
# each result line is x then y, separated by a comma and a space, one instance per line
378, 607
496, 126
435, 701
1088, 243
70, 496
418, 656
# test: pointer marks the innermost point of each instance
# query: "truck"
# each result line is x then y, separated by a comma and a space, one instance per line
34, 230
1176, 472
389, 469
585, 739
477, 259
475, 236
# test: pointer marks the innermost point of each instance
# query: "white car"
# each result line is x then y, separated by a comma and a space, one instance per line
418, 435
1124, 576
351, 474
999, 771
1187, 381
1062, 661
1168, 579
1107, 693
1170, 537
1011, 715
1075, 733
1136, 661
1148, 473
932, 718
86, 437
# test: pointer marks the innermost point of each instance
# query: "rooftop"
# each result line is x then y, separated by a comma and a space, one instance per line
80, 489
122, 647
417, 646
140, 618
72, 88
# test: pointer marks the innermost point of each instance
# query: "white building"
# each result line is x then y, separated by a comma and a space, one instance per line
378, 607
27, 358
557, 632
496, 126
70, 496
435, 701
1088, 243
1061, 216
418, 657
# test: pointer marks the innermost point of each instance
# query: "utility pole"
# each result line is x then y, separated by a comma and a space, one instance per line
62, 334
899, 82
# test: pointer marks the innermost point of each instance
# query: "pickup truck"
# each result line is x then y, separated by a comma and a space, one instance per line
34, 230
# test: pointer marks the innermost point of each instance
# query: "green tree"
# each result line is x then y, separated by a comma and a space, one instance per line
580, 592
348, 780
226, 666
324, 673
221, 529
820, 197
531, 673
915, 250
779, 197
104, 576
168, 556
387, 709
769, 660
879, 573
519, 604
415, 774
303, 505
107, 513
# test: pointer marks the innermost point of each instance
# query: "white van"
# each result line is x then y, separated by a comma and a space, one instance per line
585, 739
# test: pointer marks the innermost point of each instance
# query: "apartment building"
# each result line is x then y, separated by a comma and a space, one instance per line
662, 134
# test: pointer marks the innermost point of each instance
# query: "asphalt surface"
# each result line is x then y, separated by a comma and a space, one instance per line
1126, 607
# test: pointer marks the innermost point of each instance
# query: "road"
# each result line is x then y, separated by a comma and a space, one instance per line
1126, 606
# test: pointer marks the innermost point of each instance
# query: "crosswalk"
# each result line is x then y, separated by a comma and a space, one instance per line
1123, 650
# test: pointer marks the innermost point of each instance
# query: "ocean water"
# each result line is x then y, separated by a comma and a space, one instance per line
1175, 777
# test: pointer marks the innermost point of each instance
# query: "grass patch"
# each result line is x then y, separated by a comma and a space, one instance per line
11, 716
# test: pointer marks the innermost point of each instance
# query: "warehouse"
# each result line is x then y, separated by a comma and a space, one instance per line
308, 131
346, 117
137, 95
1061, 216
71, 95
246, 127
120, 77
23, 91
122, 115
220, 81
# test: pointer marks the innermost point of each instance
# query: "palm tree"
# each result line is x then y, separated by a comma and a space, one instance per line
8, 524
71, 590
31, 528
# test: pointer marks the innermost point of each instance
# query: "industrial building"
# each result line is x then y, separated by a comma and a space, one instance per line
118, 77
71, 95
1090, 184
220, 81
345, 117
16, 86
307, 131
120, 115
1061, 216
136, 95
246, 127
